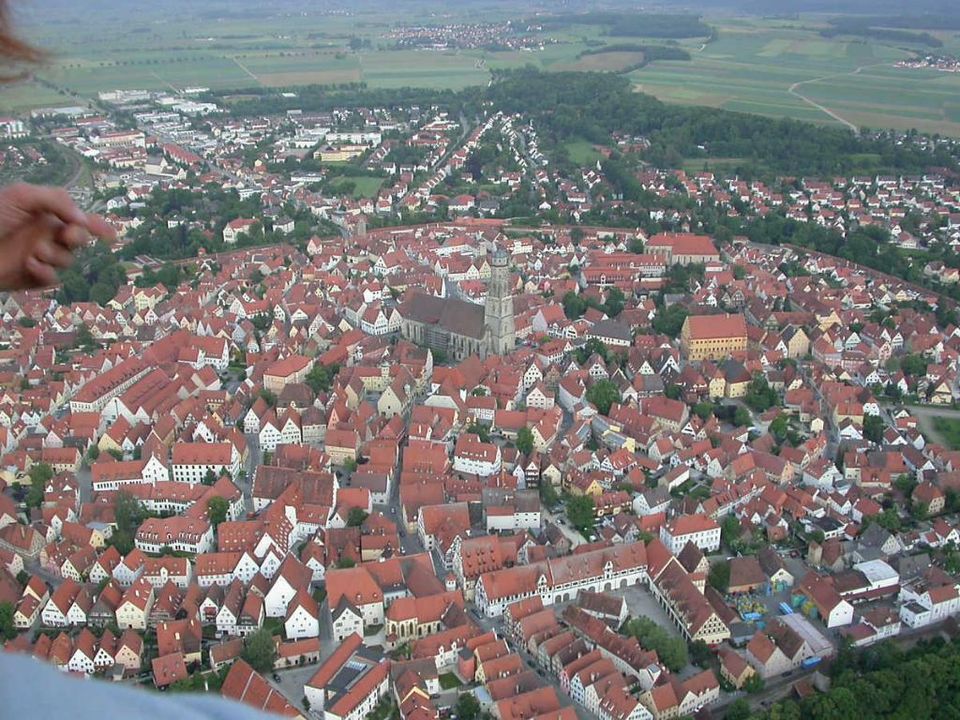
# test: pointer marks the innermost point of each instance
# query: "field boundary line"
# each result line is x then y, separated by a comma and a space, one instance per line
246, 69
166, 82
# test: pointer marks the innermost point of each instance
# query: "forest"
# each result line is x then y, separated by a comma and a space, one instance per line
651, 53
632, 25
883, 681
878, 29
591, 106
325, 98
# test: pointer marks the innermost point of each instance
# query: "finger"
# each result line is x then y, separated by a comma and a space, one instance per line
73, 236
96, 225
52, 253
42, 274
37, 199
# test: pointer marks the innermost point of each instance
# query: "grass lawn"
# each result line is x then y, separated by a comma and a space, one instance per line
582, 152
696, 165
366, 185
274, 625
449, 681
949, 428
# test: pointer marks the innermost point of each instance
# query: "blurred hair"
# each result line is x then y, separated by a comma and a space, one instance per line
13, 50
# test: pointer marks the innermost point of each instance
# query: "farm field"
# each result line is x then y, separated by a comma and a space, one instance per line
781, 68
603, 62
769, 69
22, 96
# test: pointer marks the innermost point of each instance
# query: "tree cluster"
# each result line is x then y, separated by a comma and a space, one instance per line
671, 650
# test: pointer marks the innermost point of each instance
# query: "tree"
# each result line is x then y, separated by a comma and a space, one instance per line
40, 474
753, 684
217, 508
760, 396
467, 707
889, 520
350, 464
719, 576
873, 428
344, 563
525, 440
914, 365
548, 493
779, 427
260, 651
321, 377
85, 340
356, 516
729, 532
209, 477
739, 709
906, 483
703, 410
8, 630
479, 429
670, 321
700, 654
603, 394
573, 305
269, 397
615, 302
741, 417
589, 348
672, 650
580, 513
128, 514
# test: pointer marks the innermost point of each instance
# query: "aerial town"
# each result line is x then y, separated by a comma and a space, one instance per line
331, 436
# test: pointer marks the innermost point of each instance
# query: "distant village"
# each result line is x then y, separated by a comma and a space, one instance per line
419, 460
932, 62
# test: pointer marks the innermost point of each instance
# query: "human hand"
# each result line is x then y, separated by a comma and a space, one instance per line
40, 229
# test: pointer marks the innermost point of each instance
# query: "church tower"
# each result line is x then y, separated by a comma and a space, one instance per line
501, 332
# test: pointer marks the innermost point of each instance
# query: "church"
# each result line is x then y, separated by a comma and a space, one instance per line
460, 328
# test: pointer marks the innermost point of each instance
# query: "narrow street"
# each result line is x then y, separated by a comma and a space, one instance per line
572, 535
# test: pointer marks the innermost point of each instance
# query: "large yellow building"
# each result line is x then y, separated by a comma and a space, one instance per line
713, 337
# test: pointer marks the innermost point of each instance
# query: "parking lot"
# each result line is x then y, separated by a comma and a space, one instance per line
291, 682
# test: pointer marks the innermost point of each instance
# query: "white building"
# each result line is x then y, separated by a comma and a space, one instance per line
698, 529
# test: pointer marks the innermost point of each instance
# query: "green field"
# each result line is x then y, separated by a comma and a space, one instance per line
752, 66
770, 67
367, 185
581, 152
949, 430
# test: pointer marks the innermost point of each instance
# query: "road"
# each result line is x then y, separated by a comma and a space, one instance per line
467, 128
254, 459
833, 433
